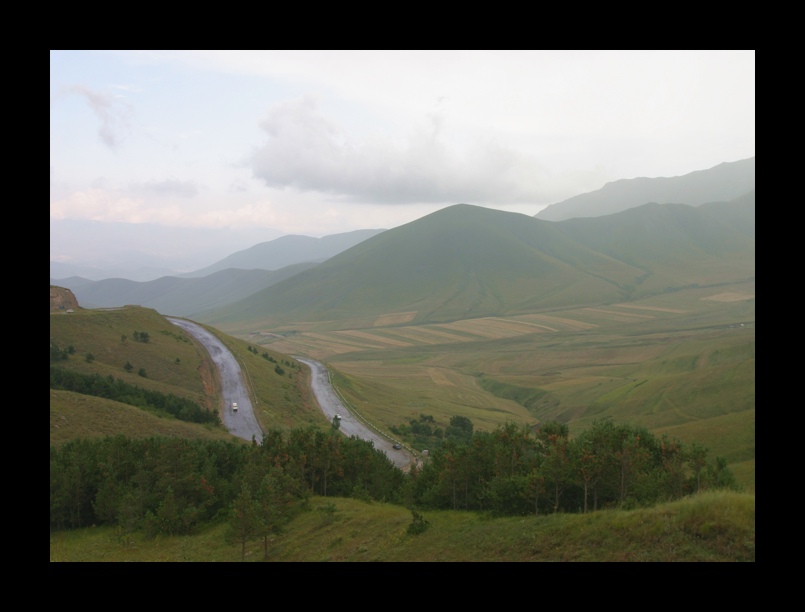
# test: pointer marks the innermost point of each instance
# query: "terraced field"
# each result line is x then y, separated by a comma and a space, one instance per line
680, 360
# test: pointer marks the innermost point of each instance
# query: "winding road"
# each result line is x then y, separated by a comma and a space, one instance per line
350, 425
244, 424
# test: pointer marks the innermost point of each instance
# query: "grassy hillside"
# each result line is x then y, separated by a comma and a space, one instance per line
715, 527
468, 262
681, 363
460, 262
74, 415
173, 363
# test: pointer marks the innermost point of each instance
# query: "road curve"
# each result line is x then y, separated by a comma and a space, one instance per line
350, 425
242, 423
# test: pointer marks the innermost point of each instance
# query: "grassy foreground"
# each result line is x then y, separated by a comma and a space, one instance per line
714, 526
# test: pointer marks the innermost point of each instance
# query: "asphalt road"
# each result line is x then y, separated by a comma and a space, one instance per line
242, 423
350, 424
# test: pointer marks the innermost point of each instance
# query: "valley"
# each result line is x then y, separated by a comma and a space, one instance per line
680, 363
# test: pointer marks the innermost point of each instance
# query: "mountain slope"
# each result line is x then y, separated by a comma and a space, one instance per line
674, 243
466, 261
172, 363
724, 182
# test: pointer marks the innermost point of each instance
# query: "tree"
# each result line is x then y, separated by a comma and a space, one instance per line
596, 463
57, 353
245, 523
89, 357
275, 500
460, 429
419, 524
128, 367
698, 461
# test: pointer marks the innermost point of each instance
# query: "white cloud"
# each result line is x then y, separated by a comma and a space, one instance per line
307, 151
323, 142
112, 112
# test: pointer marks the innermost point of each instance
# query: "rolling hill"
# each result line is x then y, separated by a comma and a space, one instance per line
101, 342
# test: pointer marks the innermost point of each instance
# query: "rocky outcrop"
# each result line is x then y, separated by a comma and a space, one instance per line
62, 299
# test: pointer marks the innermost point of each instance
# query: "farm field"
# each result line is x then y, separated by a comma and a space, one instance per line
680, 363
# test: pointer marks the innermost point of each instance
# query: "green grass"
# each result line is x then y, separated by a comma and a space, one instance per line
73, 415
174, 363
689, 374
713, 526
681, 363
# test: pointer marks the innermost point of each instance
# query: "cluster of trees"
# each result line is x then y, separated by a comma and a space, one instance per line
517, 471
59, 353
277, 368
173, 486
168, 485
423, 432
113, 388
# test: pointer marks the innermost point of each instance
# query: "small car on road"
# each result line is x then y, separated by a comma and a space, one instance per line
397, 446
234, 406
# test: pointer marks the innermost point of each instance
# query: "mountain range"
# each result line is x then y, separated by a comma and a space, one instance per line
467, 261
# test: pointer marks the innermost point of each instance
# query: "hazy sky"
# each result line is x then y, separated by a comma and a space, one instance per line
323, 142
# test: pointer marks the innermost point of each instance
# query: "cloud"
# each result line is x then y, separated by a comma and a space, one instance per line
112, 112
309, 152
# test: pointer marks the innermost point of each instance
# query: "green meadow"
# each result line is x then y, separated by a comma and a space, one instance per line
681, 363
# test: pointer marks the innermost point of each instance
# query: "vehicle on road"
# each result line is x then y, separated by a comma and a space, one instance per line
234, 406
397, 446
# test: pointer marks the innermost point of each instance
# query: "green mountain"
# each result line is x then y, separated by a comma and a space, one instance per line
467, 261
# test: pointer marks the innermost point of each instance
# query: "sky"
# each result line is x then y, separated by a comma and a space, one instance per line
259, 144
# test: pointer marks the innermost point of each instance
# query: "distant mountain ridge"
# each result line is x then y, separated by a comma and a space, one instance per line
468, 261
287, 250
171, 295
721, 183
